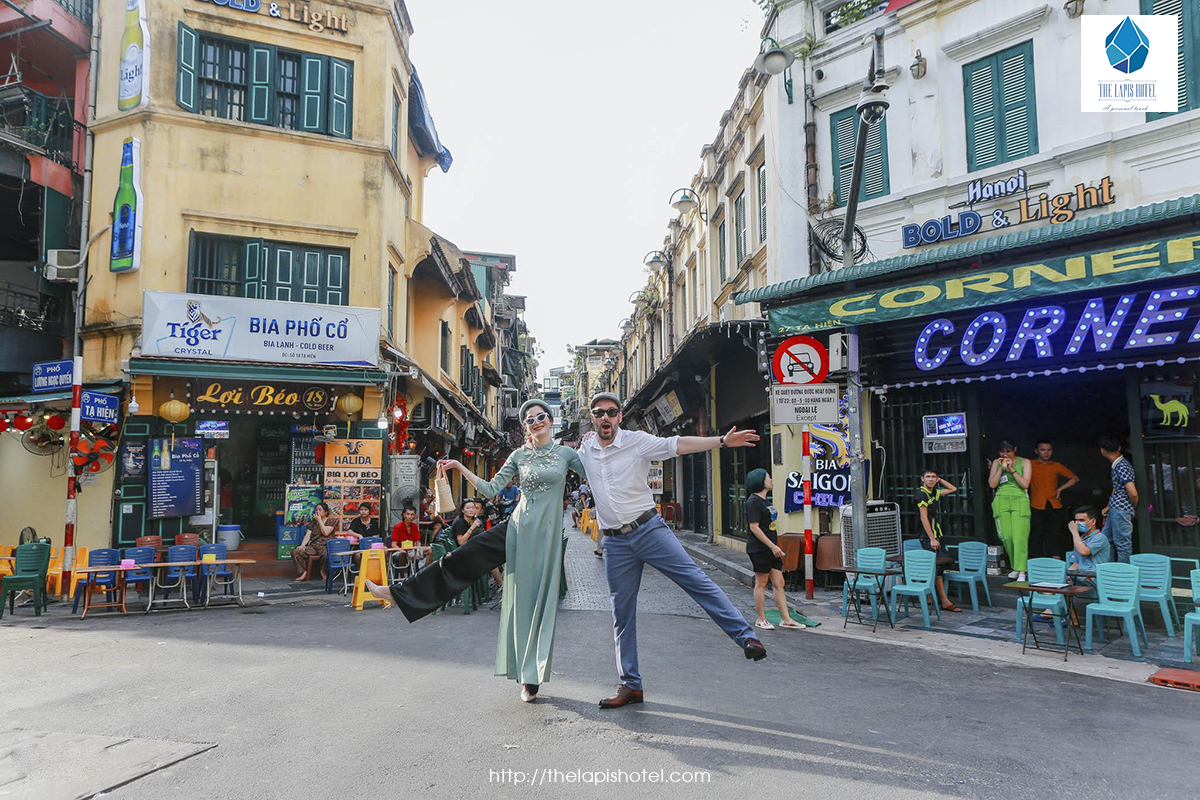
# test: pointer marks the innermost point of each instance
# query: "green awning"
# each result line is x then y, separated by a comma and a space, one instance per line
241, 370
973, 248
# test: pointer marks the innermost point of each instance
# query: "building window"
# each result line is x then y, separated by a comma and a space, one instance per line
1187, 17
391, 304
445, 351
722, 249
843, 132
693, 284
396, 132
739, 227
762, 203
255, 268
1001, 108
252, 82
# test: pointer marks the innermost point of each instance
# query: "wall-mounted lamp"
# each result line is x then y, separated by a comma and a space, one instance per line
686, 201
1074, 8
774, 60
919, 66
655, 260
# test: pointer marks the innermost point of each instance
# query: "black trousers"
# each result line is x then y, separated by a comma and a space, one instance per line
442, 581
1047, 532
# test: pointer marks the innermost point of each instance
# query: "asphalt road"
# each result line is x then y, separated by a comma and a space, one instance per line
309, 699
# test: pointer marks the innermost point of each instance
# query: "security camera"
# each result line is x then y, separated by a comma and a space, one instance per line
873, 104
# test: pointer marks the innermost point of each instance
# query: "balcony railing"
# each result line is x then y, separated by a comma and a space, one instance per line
21, 307
80, 9
44, 122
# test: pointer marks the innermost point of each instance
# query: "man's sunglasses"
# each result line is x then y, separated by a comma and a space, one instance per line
601, 413
535, 420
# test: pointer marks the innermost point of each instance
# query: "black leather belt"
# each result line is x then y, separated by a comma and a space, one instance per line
631, 526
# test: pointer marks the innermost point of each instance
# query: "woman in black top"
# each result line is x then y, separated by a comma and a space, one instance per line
763, 548
364, 525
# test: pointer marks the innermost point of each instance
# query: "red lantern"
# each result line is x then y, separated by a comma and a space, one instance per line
3, 424
23, 422
55, 423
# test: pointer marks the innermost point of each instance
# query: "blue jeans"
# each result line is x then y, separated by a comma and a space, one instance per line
653, 543
1118, 527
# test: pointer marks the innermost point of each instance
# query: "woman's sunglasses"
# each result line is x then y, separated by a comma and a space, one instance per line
600, 413
535, 420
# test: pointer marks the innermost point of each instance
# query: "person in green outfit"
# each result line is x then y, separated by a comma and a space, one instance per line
1009, 476
533, 548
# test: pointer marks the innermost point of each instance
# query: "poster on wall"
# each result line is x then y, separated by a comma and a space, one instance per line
128, 209
353, 475
176, 477
132, 86
655, 478
299, 504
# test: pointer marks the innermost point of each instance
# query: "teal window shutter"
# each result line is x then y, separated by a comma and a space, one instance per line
1001, 107
341, 92
253, 275
314, 84
1187, 17
396, 131
876, 181
262, 84
185, 73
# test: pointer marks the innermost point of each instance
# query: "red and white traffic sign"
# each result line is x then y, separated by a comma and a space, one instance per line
800, 360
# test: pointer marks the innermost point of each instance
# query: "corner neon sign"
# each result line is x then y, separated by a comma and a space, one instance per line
987, 336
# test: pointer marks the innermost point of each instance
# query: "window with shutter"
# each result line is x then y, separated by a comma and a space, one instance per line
762, 202
262, 57
722, 249
1001, 108
341, 85
462, 367
185, 69
391, 304
1187, 17
253, 268
396, 129
876, 181
314, 81
739, 227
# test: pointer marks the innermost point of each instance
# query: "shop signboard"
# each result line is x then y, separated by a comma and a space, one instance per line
133, 459
299, 505
213, 327
803, 405
669, 407
51, 376
655, 478
99, 407
212, 428
1154, 260
261, 396
1168, 409
176, 477
830, 486
353, 475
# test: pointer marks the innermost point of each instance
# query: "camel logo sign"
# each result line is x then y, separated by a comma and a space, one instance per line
1130, 63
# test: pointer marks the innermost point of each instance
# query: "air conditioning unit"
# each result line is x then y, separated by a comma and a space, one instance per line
726, 312
405, 488
883, 530
62, 266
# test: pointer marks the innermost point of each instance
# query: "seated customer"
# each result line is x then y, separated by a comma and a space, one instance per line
1091, 546
364, 525
407, 531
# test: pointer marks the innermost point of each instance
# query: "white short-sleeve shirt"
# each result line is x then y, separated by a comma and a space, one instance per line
617, 474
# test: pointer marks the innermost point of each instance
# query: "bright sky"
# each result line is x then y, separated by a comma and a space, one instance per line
570, 125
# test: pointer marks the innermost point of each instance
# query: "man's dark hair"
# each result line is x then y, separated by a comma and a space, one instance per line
1090, 511
1109, 444
928, 470
1041, 442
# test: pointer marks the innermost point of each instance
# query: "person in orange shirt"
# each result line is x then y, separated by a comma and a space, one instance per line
1045, 503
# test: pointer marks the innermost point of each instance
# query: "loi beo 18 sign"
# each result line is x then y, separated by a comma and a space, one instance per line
176, 477
243, 395
239, 329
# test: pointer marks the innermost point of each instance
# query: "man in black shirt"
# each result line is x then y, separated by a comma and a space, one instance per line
364, 524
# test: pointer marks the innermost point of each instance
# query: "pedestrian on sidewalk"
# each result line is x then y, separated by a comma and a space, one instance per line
929, 504
1009, 476
1118, 514
763, 548
1046, 514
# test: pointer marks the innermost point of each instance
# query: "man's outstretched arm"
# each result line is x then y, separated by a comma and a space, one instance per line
699, 444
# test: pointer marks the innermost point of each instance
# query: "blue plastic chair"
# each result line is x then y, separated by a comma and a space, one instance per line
337, 554
866, 558
215, 575
1154, 578
1045, 570
141, 555
920, 571
177, 577
100, 557
972, 569
1192, 619
1119, 590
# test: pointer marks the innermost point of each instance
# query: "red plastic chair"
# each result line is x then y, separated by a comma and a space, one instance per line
151, 541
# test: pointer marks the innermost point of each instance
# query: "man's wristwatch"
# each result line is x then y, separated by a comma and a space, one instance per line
722, 440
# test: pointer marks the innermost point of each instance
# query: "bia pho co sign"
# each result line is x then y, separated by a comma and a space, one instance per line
239, 329
1130, 323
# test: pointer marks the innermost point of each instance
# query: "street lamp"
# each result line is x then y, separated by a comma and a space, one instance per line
685, 201
655, 260
774, 60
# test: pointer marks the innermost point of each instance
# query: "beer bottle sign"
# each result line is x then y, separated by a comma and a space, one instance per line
131, 88
126, 254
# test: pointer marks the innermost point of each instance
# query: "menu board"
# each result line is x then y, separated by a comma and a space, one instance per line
353, 471
176, 477
299, 505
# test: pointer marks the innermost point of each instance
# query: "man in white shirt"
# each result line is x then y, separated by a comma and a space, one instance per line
617, 463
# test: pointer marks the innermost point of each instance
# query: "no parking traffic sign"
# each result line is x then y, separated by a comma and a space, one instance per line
800, 360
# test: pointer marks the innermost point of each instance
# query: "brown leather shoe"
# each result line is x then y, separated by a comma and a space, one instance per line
624, 696
754, 650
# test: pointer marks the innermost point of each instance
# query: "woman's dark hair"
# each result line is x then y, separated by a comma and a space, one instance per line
1007, 444
1090, 511
321, 505
756, 480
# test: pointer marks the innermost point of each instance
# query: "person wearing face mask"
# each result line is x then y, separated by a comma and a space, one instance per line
533, 553
1090, 545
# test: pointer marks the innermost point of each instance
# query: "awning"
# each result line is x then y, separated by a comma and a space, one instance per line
424, 132
22, 400
244, 370
441, 398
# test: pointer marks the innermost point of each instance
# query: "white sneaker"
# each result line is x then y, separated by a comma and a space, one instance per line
1012, 576
1020, 576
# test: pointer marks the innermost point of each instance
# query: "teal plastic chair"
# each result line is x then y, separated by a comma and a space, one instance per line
32, 562
1192, 619
920, 570
1044, 570
1154, 577
972, 570
1119, 590
866, 558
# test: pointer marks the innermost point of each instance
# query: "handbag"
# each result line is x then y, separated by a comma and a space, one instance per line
443, 501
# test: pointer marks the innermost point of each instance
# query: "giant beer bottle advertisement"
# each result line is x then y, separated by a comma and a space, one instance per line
128, 208
134, 58
353, 475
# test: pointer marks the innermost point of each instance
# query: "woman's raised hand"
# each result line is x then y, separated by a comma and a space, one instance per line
447, 463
